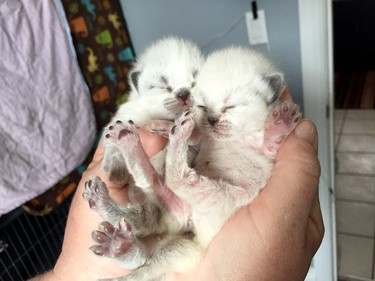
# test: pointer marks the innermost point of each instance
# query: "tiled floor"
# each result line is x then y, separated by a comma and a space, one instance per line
355, 192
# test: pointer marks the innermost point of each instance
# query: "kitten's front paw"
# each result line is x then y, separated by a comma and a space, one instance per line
124, 135
160, 127
183, 127
285, 116
118, 243
96, 193
283, 119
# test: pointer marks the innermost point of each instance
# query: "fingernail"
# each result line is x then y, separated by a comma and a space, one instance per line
306, 130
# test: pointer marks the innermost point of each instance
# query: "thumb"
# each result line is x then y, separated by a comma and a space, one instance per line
294, 182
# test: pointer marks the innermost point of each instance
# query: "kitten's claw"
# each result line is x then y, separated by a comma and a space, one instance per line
283, 119
183, 127
96, 193
113, 242
123, 133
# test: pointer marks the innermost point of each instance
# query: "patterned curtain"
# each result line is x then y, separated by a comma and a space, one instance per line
105, 55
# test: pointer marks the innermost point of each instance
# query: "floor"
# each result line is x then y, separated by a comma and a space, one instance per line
355, 192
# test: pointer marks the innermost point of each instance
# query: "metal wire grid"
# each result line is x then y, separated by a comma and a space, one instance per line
30, 245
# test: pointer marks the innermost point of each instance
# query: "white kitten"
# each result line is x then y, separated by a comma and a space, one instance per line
161, 84
243, 124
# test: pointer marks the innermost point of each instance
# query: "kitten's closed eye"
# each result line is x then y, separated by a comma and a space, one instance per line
202, 107
161, 87
226, 108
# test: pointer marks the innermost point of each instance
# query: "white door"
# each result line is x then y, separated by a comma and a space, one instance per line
317, 74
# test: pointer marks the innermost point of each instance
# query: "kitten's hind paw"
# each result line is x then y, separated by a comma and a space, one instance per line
96, 193
119, 243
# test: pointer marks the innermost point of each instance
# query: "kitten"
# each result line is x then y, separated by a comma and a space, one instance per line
242, 123
161, 83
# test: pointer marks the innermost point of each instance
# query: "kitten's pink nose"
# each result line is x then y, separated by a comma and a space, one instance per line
183, 94
212, 120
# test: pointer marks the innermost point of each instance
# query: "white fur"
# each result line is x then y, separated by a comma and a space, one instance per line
166, 69
176, 59
230, 170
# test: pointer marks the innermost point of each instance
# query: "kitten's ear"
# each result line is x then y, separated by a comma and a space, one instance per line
133, 79
276, 83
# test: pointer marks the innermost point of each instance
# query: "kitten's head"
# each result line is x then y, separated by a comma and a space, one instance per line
236, 90
165, 75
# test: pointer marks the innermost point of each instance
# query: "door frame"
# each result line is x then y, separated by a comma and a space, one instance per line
316, 40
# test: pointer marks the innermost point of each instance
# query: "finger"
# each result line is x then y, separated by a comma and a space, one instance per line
99, 152
292, 189
315, 227
151, 143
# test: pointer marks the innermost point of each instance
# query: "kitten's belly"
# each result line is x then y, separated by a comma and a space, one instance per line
239, 169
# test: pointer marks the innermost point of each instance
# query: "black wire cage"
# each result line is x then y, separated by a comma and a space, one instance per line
30, 245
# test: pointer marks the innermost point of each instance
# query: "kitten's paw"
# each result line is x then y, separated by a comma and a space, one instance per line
113, 242
183, 127
124, 135
119, 243
96, 193
160, 127
283, 119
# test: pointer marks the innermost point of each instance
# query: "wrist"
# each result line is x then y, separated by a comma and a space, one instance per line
48, 276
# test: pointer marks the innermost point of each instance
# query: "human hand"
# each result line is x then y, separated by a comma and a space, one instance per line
76, 261
273, 238
276, 236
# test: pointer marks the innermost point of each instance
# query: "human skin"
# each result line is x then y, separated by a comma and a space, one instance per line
273, 238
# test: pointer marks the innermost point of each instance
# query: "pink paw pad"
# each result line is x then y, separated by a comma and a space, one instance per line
283, 119
96, 193
122, 132
112, 241
286, 113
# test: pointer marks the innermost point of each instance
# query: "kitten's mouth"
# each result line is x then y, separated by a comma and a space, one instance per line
186, 104
177, 106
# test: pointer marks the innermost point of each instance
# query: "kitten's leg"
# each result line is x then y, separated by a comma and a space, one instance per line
205, 195
126, 138
97, 195
172, 254
119, 243
144, 218
177, 162
283, 118
114, 164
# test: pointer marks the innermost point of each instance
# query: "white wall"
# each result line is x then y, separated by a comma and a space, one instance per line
201, 21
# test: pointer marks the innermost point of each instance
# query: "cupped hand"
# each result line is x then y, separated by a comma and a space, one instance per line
273, 238
276, 236
76, 261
